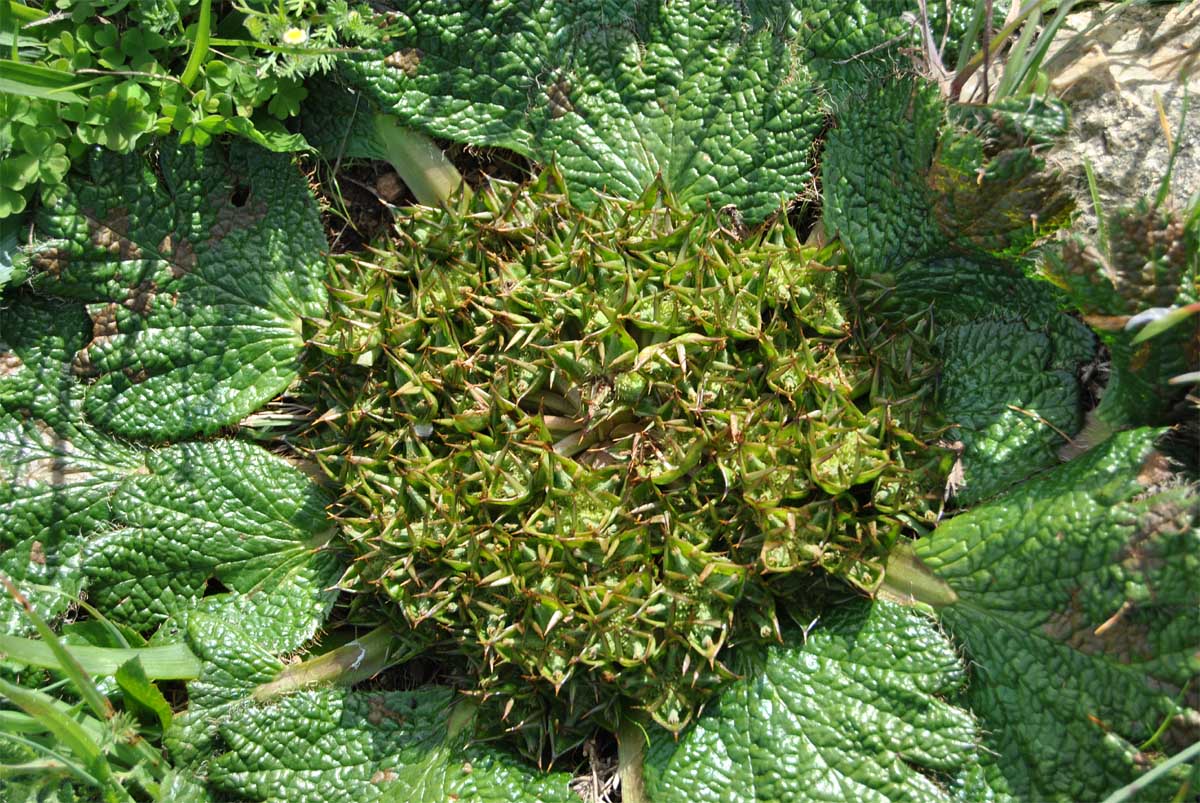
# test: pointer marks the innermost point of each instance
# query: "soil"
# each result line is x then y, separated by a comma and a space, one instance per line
359, 202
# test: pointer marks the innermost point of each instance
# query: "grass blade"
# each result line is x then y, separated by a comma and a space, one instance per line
36, 81
91, 695
168, 662
200, 48
65, 730
1130, 791
57, 760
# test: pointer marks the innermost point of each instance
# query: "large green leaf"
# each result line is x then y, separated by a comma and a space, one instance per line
1009, 359
907, 177
852, 711
328, 744
197, 269
872, 168
1076, 597
224, 510
699, 91
336, 746
147, 533
239, 639
56, 473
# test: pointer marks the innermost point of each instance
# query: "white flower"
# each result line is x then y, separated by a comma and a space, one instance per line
294, 36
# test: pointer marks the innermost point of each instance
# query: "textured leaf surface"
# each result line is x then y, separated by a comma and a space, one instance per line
333, 746
907, 178
330, 744
239, 638
1152, 261
1009, 366
699, 91
991, 188
196, 278
872, 169
145, 532
56, 473
222, 510
852, 712
1077, 604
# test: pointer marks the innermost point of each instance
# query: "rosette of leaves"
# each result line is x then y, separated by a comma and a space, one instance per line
590, 448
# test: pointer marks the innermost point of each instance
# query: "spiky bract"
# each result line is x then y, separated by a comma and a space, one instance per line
594, 448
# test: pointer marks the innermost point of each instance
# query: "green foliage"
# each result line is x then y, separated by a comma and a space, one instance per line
31, 150
1074, 596
83, 510
586, 446
1147, 258
110, 74
871, 173
196, 278
585, 458
907, 177
700, 93
57, 472
1008, 363
825, 712
327, 744
90, 743
350, 746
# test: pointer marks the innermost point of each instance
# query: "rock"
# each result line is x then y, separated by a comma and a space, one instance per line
1113, 66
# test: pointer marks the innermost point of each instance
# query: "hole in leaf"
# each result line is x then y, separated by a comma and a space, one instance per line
214, 587
241, 194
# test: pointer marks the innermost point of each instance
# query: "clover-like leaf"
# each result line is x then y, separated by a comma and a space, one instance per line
197, 270
1076, 600
701, 92
852, 711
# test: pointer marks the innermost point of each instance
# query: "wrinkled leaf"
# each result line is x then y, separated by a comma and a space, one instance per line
852, 711
196, 276
1009, 362
145, 532
698, 91
907, 177
875, 200
223, 510
57, 474
337, 745
1076, 602
239, 638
